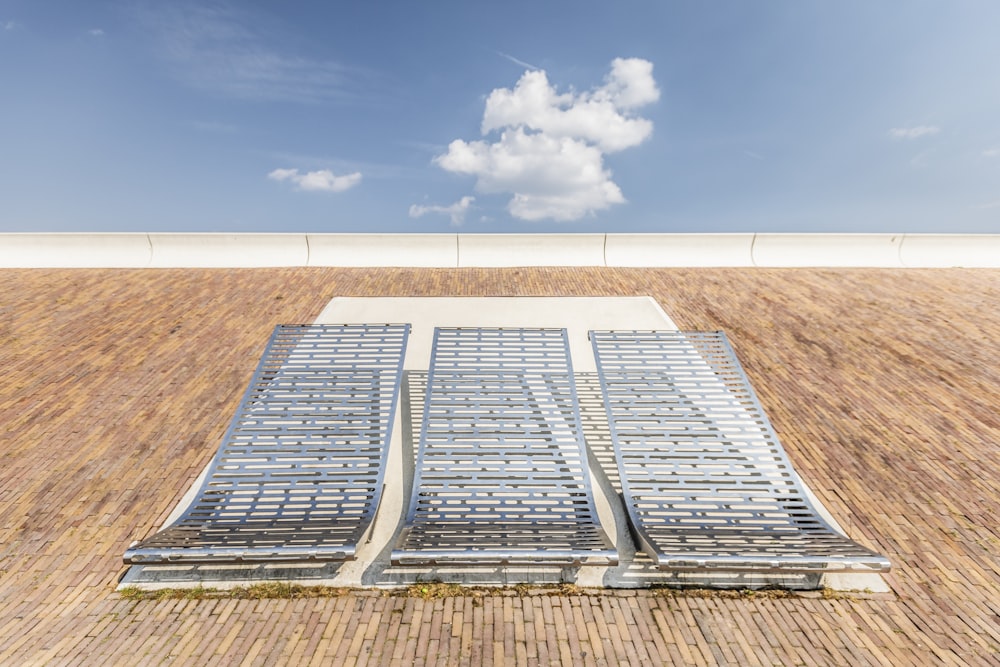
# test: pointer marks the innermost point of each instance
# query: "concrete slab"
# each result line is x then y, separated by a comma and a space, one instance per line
372, 566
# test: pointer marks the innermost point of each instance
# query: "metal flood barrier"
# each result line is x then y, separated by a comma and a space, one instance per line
501, 475
299, 473
706, 483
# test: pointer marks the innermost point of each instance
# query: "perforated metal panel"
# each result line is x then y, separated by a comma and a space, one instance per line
299, 472
706, 482
501, 466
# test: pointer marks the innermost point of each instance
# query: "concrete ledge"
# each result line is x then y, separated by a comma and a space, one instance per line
859, 250
73, 251
951, 250
135, 250
679, 250
531, 250
420, 250
228, 250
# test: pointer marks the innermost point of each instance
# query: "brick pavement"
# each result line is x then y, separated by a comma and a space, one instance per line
883, 385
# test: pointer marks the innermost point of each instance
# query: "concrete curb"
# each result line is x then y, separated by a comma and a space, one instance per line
74, 250
637, 250
530, 250
161, 250
228, 250
417, 250
857, 250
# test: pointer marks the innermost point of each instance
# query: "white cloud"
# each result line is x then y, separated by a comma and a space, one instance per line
550, 177
517, 61
10, 25
991, 152
914, 132
96, 32
550, 152
323, 180
456, 211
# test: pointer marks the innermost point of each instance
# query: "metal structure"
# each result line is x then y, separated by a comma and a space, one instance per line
501, 475
298, 475
706, 483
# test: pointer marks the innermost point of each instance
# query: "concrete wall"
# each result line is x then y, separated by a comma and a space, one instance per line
471, 250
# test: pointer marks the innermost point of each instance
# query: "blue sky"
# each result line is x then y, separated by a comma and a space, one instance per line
308, 116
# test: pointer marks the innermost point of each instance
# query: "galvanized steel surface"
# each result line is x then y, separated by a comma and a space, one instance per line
706, 482
501, 472
298, 475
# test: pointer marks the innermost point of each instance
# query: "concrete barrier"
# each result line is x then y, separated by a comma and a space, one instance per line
137, 250
228, 250
858, 250
74, 250
679, 250
947, 250
420, 250
531, 250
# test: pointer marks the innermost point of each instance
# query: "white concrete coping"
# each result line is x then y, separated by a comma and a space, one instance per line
859, 250
951, 250
531, 250
135, 250
420, 250
228, 250
58, 251
679, 250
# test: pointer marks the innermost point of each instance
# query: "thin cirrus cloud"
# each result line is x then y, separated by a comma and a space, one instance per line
914, 132
549, 155
221, 50
455, 211
991, 152
323, 180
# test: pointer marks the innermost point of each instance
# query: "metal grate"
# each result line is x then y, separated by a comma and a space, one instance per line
501, 467
706, 482
298, 475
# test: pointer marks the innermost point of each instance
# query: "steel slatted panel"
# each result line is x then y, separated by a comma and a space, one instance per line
706, 482
299, 472
501, 473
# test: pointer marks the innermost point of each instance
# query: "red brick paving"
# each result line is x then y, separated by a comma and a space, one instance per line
884, 386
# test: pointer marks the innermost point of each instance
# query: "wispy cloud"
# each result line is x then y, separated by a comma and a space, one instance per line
215, 126
96, 32
992, 204
456, 211
222, 50
323, 180
549, 154
517, 61
914, 132
10, 25
755, 156
991, 152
